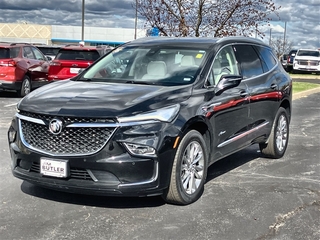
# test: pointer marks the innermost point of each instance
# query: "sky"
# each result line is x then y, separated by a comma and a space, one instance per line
302, 17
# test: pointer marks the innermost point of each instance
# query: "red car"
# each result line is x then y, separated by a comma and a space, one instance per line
23, 67
70, 60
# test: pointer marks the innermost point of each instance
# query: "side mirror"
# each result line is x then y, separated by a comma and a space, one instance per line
49, 58
227, 82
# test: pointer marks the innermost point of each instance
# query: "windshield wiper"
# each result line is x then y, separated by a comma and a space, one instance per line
85, 79
141, 82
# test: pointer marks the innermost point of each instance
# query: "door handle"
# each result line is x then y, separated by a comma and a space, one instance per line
273, 86
243, 94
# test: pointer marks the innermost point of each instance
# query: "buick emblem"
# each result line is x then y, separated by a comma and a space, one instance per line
55, 126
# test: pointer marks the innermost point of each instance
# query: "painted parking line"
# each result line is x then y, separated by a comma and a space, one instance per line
10, 105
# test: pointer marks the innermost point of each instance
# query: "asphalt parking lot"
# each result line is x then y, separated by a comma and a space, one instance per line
246, 196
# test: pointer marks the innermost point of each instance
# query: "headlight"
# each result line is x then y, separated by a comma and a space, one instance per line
140, 150
12, 135
166, 114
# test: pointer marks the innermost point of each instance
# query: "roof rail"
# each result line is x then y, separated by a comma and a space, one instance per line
13, 44
72, 44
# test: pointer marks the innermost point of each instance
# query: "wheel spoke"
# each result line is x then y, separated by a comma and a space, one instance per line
281, 134
192, 167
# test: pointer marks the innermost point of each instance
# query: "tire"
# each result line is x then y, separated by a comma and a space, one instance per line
189, 170
25, 87
277, 143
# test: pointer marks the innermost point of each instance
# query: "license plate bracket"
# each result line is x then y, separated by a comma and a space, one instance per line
54, 167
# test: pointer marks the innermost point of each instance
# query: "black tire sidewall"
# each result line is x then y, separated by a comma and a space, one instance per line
22, 90
281, 112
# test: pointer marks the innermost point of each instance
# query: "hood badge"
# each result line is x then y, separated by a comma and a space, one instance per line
55, 126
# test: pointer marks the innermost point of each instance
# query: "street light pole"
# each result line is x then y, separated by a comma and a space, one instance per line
136, 21
82, 32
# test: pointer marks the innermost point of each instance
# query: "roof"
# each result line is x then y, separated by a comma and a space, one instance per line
9, 44
195, 40
79, 48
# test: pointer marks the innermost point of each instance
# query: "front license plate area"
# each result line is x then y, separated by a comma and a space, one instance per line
54, 167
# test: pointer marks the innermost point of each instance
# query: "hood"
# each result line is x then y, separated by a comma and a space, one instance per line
311, 58
107, 100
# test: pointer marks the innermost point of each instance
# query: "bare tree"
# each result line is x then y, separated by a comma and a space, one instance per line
206, 17
281, 46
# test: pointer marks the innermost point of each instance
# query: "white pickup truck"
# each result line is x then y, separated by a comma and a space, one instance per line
307, 60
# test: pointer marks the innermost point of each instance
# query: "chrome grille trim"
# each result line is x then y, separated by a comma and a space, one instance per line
30, 119
72, 137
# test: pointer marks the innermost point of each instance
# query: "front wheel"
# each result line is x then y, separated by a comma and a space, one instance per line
25, 87
189, 170
277, 143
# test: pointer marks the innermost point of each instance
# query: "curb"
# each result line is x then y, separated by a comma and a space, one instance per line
305, 93
305, 76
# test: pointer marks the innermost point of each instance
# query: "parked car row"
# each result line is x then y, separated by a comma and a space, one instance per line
24, 67
301, 61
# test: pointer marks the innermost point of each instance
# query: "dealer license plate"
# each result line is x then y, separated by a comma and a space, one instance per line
54, 168
75, 70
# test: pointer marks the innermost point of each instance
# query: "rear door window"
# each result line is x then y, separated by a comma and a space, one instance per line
267, 57
249, 61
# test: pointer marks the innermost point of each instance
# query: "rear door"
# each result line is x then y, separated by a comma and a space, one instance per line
37, 65
262, 84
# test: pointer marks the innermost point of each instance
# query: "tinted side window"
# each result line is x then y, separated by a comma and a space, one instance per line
14, 52
65, 54
249, 61
38, 54
27, 53
267, 57
4, 53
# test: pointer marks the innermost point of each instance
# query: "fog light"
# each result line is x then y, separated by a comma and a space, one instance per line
142, 150
12, 135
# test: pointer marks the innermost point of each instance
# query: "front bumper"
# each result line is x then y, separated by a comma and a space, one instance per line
112, 171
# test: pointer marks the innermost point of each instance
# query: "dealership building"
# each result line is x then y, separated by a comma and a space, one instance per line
58, 34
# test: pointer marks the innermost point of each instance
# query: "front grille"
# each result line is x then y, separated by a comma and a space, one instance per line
71, 141
308, 63
75, 173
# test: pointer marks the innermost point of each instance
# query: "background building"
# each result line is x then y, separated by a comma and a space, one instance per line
57, 34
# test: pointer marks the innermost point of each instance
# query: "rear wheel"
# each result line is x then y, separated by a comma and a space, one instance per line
189, 170
277, 143
25, 87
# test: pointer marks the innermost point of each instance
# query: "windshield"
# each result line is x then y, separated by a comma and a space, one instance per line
308, 53
49, 50
159, 65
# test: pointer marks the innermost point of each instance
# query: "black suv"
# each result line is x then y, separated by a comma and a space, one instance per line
290, 59
151, 116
